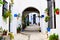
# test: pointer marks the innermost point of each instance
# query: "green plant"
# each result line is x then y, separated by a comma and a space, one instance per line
1, 30
23, 22
6, 15
1, 2
47, 18
54, 37
12, 1
1, 37
56, 9
39, 30
4, 32
11, 35
18, 29
46, 9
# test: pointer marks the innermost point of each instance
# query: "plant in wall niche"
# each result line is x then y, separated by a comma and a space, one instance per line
54, 37
11, 35
47, 18
56, 10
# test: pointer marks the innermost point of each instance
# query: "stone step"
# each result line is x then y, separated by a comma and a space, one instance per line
31, 30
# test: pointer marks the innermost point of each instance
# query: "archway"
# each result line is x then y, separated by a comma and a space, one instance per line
25, 15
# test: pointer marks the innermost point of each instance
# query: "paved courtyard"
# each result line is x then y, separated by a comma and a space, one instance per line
30, 35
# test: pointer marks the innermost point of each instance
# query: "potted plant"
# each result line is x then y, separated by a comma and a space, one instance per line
54, 37
1, 2
56, 11
39, 30
23, 23
1, 30
18, 29
1, 37
11, 35
4, 32
47, 18
12, 1
29, 22
46, 10
6, 15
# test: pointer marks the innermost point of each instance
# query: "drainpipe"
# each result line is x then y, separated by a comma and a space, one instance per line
9, 17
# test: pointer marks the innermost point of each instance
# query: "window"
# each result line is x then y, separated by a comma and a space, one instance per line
5, 6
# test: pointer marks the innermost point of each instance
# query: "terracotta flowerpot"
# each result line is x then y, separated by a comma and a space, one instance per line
39, 30
57, 12
4, 33
18, 31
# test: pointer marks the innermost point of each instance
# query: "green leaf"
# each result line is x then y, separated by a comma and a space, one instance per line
47, 18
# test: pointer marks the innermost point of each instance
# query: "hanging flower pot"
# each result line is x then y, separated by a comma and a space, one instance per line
47, 18
12, 1
1, 2
6, 15
46, 10
57, 11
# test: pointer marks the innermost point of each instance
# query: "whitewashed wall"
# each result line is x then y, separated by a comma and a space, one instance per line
3, 24
57, 30
20, 5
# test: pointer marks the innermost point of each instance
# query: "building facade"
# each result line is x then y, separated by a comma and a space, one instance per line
24, 7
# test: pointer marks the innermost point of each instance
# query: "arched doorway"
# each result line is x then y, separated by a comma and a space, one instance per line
25, 16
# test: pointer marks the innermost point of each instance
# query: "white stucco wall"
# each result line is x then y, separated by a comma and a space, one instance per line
57, 30
20, 5
3, 24
58, 16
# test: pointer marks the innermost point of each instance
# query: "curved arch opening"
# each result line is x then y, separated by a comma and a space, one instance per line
26, 16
